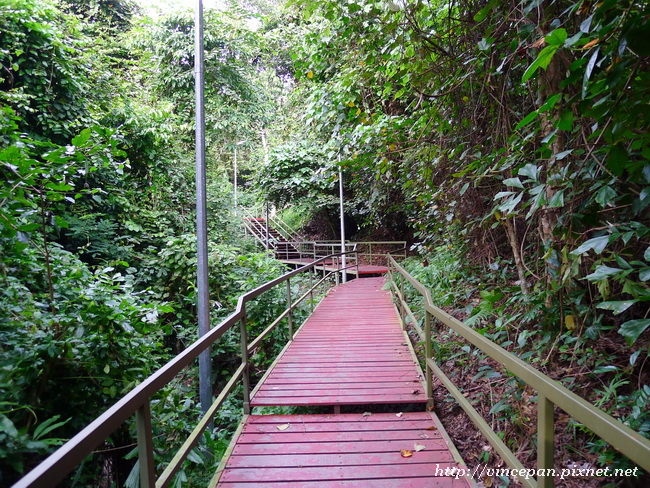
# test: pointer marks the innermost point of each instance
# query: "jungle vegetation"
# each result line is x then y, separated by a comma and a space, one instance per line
507, 141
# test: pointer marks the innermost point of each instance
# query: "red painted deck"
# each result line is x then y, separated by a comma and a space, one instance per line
349, 450
352, 350
364, 269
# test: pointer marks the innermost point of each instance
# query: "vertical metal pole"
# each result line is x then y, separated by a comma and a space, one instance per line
244, 361
203, 297
267, 226
311, 289
289, 317
343, 274
234, 179
545, 440
145, 447
429, 355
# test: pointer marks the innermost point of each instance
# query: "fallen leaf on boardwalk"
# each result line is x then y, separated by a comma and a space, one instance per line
424, 436
399, 414
406, 453
433, 427
283, 427
367, 414
416, 392
419, 447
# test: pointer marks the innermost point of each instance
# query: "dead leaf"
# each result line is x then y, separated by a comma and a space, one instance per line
433, 427
416, 392
424, 436
283, 427
591, 44
406, 453
419, 447
367, 414
399, 414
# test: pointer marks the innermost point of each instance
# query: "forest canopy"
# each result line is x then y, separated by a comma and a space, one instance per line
507, 142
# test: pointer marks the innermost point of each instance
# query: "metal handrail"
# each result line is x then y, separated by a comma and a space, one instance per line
550, 393
60, 463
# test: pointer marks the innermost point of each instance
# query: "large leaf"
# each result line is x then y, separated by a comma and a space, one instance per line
602, 272
632, 329
543, 60
617, 306
597, 244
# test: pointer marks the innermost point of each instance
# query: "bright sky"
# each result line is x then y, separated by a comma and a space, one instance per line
156, 7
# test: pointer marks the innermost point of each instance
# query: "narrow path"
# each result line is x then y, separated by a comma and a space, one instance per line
351, 351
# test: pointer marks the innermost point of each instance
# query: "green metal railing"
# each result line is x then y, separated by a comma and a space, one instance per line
549, 392
53, 469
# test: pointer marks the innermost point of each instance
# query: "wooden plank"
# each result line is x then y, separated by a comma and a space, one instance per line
342, 459
329, 473
422, 482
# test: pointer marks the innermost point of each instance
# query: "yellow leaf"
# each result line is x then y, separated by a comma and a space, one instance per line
591, 44
358, 111
392, 147
351, 104
363, 120
310, 74
569, 322
406, 453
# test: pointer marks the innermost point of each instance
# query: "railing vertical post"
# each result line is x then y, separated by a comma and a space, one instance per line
266, 225
336, 266
545, 440
311, 290
370, 251
145, 446
428, 348
289, 315
244, 360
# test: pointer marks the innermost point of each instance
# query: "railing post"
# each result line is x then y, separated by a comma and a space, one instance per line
145, 447
336, 265
370, 251
428, 350
244, 360
311, 289
545, 440
289, 315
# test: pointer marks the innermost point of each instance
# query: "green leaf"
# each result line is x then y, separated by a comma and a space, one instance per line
605, 195
527, 119
543, 60
617, 159
529, 170
632, 329
483, 13
566, 121
602, 272
644, 274
597, 244
557, 37
646, 254
588, 71
48, 426
557, 200
617, 306
82, 138
516, 182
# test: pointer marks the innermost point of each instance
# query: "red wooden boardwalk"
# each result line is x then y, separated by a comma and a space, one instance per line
364, 269
345, 450
352, 350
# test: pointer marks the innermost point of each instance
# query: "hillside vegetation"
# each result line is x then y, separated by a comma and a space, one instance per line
507, 142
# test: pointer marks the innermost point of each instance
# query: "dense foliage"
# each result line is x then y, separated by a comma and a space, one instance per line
514, 134
97, 220
508, 141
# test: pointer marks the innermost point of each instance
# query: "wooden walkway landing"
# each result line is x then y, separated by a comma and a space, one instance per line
351, 351
364, 269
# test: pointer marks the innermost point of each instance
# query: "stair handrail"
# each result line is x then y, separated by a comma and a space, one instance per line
550, 392
60, 463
